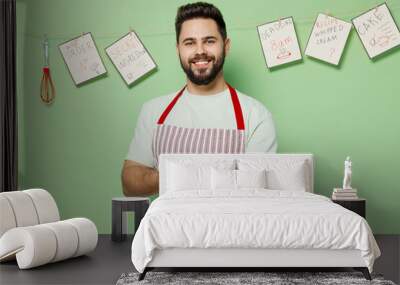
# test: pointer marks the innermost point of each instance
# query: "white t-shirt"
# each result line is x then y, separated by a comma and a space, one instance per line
203, 111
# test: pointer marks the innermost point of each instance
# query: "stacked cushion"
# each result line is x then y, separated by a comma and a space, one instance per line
31, 232
37, 245
27, 208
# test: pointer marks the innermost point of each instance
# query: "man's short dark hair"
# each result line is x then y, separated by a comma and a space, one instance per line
199, 10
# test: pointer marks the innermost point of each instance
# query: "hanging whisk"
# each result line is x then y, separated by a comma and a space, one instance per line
47, 90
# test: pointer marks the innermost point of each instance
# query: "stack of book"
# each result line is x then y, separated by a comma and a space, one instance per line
344, 194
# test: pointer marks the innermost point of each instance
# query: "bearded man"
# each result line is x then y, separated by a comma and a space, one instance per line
207, 115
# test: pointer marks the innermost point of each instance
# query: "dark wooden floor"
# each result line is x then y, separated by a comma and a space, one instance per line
110, 260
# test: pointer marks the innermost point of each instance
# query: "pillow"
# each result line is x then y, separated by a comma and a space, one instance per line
236, 179
223, 179
193, 173
281, 174
184, 177
288, 179
251, 178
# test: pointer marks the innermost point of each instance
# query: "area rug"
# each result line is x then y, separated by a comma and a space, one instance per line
269, 278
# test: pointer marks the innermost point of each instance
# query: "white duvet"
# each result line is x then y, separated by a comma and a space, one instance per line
251, 218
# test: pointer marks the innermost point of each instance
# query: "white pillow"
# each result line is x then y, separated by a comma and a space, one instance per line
223, 179
251, 178
192, 173
185, 177
237, 179
281, 174
290, 179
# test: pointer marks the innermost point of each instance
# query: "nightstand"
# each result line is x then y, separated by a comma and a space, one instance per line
356, 205
120, 205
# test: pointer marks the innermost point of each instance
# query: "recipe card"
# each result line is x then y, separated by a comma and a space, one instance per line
328, 39
377, 30
82, 58
279, 42
130, 57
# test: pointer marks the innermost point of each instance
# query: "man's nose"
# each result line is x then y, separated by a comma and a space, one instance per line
200, 49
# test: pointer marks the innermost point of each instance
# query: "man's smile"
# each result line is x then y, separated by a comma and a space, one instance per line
201, 63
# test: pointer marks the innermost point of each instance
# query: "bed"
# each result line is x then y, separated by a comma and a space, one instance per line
247, 210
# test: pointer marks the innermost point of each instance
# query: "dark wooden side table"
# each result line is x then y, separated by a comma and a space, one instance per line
356, 205
120, 205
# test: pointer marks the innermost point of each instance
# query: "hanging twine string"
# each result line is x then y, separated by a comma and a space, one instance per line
346, 16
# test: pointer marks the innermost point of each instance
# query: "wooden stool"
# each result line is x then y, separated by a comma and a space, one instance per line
138, 205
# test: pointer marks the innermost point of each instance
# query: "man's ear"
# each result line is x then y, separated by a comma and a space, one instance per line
227, 46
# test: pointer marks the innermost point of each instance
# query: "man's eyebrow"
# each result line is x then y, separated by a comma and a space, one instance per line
188, 39
204, 38
209, 38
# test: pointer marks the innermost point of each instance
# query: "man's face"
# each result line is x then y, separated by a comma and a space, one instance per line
201, 50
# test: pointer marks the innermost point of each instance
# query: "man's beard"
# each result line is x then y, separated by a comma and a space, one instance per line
203, 78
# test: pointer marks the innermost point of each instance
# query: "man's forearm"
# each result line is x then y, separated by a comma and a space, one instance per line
138, 180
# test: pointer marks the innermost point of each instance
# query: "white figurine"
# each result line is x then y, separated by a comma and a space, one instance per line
347, 174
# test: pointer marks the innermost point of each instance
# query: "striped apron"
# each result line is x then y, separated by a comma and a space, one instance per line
173, 139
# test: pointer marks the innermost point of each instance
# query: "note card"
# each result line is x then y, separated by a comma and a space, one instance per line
377, 30
82, 58
328, 39
279, 42
130, 57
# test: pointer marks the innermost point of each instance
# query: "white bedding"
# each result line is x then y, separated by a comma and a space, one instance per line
250, 218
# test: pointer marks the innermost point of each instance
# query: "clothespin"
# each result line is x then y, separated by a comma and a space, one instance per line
280, 21
328, 13
130, 30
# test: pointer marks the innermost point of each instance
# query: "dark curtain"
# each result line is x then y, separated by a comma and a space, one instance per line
8, 99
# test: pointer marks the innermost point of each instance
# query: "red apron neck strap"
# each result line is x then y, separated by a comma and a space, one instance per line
237, 108
170, 106
235, 102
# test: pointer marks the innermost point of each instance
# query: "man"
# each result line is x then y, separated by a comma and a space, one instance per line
205, 116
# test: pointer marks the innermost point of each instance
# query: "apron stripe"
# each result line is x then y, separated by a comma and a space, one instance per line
195, 140
227, 141
203, 137
220, 134
238, 148
172, 139
224, 141
184, 139
207, 141
237, 142
167, 137
178, 141
188, 145
214, 141
233, 140
242, 138
212, 138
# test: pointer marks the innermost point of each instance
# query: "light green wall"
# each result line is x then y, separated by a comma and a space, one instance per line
75, 148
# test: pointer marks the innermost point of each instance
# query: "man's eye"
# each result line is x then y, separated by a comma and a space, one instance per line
188, 43
210, 41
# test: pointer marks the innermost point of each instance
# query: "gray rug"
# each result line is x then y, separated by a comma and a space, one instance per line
270, 278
